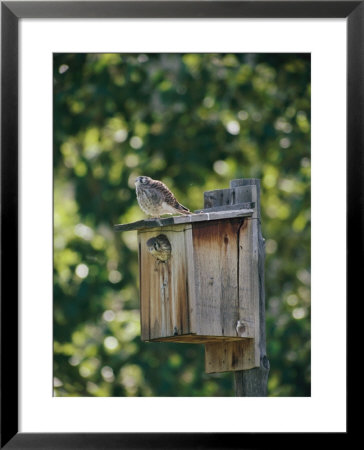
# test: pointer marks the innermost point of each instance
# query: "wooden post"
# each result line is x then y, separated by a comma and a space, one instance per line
251, 382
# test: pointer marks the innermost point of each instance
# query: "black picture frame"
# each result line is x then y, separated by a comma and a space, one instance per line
11, 13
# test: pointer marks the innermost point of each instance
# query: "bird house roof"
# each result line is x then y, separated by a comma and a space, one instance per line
205, 215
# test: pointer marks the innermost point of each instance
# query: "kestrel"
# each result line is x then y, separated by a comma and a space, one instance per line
155, 198
159, 247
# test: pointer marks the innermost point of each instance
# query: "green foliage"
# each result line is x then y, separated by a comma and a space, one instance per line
194, 121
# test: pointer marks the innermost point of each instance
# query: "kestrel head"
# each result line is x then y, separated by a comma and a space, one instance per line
143, 180
159, 247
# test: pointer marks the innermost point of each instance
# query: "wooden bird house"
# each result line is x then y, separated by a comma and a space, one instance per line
199, 278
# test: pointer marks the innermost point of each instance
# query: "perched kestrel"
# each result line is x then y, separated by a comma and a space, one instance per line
155, 198
159, 247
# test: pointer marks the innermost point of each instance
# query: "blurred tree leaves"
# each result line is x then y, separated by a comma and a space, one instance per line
195, 121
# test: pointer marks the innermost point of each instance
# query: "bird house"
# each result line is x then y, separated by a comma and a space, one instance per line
199, 280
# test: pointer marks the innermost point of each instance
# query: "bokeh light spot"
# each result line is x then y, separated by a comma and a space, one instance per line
115, 276
233, 127
82, 271
220, 167
63, 68
111, 343
299, 313
136, 142
108, 315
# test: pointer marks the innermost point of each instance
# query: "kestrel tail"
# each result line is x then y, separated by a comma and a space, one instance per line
155, 198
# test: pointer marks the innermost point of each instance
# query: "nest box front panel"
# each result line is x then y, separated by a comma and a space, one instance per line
216, 277
163, 282
226, 278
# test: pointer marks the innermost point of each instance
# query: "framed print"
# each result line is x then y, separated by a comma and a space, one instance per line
238, 90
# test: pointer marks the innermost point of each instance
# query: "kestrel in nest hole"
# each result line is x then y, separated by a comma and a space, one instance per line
159, 247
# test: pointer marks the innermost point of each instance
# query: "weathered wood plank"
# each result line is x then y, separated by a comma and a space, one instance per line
144, 288
179, 220
253, 382
207, 280
249, 287
165, 301
246, 190
218, 197
215, 259
245, 205
144, 224
228, 356
254, 263
190, 258
228, 258
178, 285
197, 339
247, 280
163, 286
